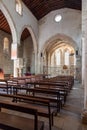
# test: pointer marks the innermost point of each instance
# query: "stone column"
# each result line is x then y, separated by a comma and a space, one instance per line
62, 58
40, 62
14, 54
84, 49
85, 73
84, 58
84, 66
36, 61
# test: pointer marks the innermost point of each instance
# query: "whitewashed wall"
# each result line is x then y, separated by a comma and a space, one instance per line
70, 25
20, 21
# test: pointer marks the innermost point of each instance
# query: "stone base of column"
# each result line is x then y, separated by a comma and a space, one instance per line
84, 116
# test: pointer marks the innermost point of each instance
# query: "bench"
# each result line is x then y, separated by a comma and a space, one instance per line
62, 92
42, 106
14, 122
51, 84
4, 85
44, 92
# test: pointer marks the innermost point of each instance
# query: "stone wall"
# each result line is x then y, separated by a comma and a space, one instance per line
5, 59
28, 54
70, 25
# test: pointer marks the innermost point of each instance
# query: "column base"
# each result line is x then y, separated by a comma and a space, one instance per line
84, 116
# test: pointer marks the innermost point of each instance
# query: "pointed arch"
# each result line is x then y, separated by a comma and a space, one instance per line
10, 21
32, 35
57, 39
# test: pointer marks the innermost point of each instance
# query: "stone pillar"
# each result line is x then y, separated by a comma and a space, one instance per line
83, 61
78, 67
40, 62
84, 31
84, 65
15, 74
62, 58
36, 61
14, 54
33, 63
54, 64
84, 45
85, 73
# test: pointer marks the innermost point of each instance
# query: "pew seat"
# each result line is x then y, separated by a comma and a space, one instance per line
14, 122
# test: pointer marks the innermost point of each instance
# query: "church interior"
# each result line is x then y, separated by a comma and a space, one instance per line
43, 65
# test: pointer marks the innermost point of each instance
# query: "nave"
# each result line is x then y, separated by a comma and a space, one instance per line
69, 117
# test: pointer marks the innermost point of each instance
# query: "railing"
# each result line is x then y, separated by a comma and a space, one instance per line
58, 70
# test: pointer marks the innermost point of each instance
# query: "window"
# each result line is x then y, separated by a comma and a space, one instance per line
66, 58
74, 60
6, 45
19, 6
58, 18
58, 57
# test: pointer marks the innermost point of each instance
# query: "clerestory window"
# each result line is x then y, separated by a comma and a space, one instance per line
19, 6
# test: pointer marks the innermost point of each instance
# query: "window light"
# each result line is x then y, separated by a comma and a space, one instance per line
19, 6
58, 18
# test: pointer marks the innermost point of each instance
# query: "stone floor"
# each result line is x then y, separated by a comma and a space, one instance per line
69, 117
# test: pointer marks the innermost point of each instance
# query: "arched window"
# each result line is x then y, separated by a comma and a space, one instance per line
6, 45
67, 58
19, 6
58, 57
74, 60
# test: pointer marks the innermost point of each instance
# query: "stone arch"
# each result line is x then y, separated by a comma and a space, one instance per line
10, 21
32, 35
29, 28
52, 44
11, 25
58, 39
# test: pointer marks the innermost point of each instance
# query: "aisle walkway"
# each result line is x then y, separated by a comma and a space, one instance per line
70, 116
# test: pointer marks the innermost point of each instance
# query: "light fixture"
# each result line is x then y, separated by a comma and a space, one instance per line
58, 18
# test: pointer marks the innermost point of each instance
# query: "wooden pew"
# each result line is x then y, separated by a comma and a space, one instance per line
63, 91
4, 85
47, 93
43, 106
49, 85
14, 122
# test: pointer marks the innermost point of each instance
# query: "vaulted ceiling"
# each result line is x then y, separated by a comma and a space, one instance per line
40, 8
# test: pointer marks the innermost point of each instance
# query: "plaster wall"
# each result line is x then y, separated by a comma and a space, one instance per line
70, 25
27, 18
